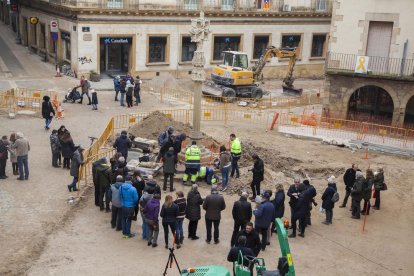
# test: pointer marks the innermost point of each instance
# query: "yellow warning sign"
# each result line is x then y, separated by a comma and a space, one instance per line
132, 120
247, 116
289, 259
169, 115
207, 114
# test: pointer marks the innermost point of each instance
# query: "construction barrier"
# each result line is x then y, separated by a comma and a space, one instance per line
208, 101
17, 99
301, 124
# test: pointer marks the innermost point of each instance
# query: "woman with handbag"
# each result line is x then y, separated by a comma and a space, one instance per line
47, 111
378, 186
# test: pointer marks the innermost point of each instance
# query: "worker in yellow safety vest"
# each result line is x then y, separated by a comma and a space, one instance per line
192, 163
207, 174
235, 151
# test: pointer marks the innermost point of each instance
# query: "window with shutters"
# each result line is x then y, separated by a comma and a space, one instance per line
190, 4
157, 49
115, 4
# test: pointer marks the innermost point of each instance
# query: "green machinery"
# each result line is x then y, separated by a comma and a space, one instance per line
285, 265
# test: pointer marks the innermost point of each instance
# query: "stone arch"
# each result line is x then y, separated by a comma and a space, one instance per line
371, 103
409, 113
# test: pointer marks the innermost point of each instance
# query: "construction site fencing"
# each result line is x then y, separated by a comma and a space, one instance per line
309, 125
164, 93
17, 99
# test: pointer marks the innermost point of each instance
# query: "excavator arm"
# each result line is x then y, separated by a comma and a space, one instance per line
272, 52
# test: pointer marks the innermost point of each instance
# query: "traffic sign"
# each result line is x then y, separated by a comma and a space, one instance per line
54, 36
54, 26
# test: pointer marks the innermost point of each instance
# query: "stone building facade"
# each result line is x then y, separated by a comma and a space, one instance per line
150, 37
370, 63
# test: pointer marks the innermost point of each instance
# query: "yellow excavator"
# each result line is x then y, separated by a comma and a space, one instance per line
234, 77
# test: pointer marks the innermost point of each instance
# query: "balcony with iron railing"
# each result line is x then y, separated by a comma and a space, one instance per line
273, 6
378, 67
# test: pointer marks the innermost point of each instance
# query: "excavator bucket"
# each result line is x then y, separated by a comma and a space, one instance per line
292, 91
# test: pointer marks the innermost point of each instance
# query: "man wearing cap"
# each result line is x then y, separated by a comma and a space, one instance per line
264, 214
192, 163
77, 161
258, 175
22, 151
113, 196
151, 186
213, 204
242, 214
235, 151
122, 144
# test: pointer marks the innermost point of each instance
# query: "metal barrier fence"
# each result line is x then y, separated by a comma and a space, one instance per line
17, 99
310, 125
209, 101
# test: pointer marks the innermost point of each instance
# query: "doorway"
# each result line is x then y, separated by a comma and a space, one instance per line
115, 55
371, 104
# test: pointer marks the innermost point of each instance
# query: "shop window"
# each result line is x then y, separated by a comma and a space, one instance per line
42, 38
66, 45
318, 45
157, 49
187, 49
261, 42
291, 40
225, 43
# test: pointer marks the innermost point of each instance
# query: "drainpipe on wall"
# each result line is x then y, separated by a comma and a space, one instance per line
404, 57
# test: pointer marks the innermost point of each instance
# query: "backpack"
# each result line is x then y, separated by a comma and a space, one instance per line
335, 197
88, 84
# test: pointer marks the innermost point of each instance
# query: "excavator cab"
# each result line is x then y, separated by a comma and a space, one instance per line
235, 59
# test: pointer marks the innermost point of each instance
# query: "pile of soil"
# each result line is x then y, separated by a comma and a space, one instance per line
279, 169
156, 122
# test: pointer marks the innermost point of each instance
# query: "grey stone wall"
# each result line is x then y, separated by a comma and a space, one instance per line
341, 88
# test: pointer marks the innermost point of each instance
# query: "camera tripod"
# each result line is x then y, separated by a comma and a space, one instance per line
170, 260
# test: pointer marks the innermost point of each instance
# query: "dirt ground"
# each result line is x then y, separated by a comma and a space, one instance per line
40, 234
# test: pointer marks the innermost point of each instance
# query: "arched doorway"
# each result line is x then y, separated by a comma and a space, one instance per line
371, 104
409, 114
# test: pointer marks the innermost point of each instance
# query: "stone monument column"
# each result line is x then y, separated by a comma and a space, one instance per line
200, 28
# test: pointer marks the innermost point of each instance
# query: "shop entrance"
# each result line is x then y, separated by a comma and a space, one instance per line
115, 54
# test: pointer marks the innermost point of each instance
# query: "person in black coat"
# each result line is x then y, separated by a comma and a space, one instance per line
258, 175
169, 214
241, 247
122, 144
47, 111
312, 201
252, 238
169, 169
193, 211
67, 146
242, 214
327, 202
293, 193
279, 204
302, 209
178, 144
349, 180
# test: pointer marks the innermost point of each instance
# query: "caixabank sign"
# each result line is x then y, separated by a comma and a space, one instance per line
116, 40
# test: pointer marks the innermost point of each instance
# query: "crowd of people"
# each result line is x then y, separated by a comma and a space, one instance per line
16, 147
128, 88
